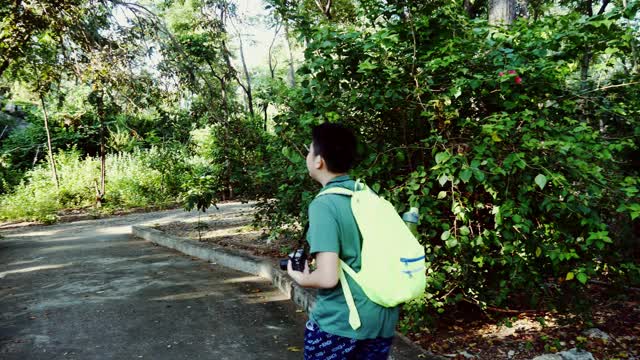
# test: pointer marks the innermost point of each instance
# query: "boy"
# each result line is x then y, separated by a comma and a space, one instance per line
333, 235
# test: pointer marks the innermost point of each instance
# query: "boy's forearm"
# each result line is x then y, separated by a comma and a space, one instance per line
316, 280
324, 277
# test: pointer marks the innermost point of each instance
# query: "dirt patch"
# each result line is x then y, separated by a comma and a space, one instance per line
229, 229
464, 332
492, 335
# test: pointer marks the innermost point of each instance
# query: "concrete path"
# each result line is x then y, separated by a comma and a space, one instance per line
89, 290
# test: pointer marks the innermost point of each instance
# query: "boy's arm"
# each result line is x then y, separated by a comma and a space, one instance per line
324, 277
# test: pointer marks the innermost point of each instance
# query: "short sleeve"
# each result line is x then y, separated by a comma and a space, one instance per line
323, 231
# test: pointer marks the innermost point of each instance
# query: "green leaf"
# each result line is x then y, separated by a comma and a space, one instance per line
452, 243
582, 277
541, 181
442, 157
479, 175
610, 51
286, 151
443, 179
445, 235
569, 276
442, 194
581, 339
465, 175
538, 252
464, 231
366, 66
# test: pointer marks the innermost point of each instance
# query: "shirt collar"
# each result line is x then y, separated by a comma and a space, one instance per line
338, 179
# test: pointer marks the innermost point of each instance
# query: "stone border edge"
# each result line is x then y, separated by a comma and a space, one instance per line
251, 264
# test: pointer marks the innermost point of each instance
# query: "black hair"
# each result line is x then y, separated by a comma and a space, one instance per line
336, 144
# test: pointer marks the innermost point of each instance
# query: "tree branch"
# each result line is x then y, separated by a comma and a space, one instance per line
603, 7
325, 9
272, 68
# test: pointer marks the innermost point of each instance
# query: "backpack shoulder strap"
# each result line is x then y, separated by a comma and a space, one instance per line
354, 317
337, 191
359, 186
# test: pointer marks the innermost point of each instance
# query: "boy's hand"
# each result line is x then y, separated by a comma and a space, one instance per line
324, 277
298, 276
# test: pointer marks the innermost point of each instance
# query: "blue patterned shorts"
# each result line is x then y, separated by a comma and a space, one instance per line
319, 345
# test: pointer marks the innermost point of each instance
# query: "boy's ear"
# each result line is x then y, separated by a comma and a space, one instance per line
318, 162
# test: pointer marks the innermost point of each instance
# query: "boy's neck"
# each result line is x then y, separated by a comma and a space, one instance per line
325, 178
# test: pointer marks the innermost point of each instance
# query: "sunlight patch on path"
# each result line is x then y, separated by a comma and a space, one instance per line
244, 279
33, 268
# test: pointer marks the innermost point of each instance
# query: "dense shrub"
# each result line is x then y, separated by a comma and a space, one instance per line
131, 182
519, 165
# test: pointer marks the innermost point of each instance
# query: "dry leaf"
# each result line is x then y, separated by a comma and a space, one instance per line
294, 349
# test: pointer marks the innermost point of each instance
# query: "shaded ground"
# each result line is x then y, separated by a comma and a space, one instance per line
89, 290
496, 335
488, 335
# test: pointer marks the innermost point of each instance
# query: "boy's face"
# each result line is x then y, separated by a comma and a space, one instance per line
314, 162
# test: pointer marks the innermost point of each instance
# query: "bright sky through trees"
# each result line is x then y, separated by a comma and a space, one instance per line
250, 22
256, 35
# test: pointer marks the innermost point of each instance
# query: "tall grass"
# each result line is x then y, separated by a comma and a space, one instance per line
130, 182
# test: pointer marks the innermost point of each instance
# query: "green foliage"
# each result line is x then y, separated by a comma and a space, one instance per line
21, 24
521, 166
283, 187
131, 183
201, 189
225, 162
519, 145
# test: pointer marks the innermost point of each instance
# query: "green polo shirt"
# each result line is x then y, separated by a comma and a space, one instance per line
332, 228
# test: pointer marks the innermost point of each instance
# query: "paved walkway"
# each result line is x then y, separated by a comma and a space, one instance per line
89, 290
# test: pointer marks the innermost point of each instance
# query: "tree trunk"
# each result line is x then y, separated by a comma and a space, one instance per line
272, 67
246, 75
103, 161
522, 9
292, 73
468, 7
35, 158
325, 8
266, 119
502, 11
225, 154
52, 163
272, 70
635, 57
4, 66
584, 68
100, 192
225, 54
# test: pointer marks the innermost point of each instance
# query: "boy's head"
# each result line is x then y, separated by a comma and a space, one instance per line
333, 150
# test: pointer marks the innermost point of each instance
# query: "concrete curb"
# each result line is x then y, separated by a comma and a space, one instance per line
234, 260
259, 266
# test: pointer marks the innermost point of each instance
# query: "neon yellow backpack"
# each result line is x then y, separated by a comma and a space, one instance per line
392, 261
